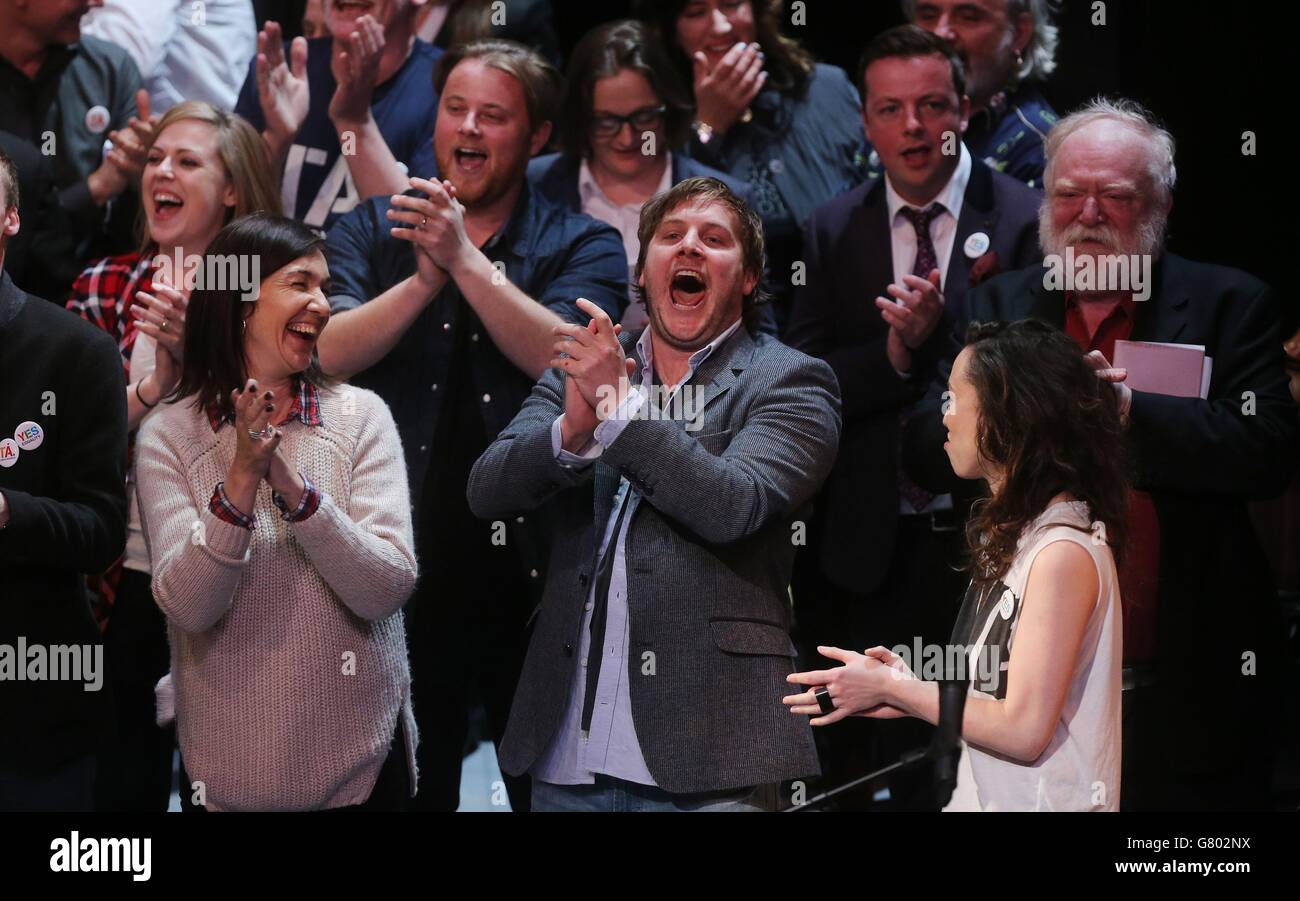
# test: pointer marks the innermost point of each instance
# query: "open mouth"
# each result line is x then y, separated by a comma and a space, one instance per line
470, 159
916, 156
353, 7
166, 205
686, 290
303, 333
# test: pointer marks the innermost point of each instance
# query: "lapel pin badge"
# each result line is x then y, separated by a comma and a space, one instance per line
29, 436
8, 452
97, 120
977, 245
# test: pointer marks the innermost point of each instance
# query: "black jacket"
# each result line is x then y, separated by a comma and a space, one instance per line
850, 263
67, 506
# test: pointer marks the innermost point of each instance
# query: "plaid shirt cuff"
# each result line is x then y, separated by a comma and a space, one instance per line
307, 504
225, 511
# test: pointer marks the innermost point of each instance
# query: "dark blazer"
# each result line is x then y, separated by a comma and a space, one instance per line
555, 175
709, 555
1201, 460
850, 263
67, 508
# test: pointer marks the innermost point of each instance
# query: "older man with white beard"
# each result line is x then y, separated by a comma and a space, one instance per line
1201, 639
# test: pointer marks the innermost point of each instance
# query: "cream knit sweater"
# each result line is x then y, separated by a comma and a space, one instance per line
288, 649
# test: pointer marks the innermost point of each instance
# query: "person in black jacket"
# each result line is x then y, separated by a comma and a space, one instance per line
62, 514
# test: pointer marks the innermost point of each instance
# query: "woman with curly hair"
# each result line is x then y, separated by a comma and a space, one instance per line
1040, 628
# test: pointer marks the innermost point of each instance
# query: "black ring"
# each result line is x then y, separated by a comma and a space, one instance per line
823, 696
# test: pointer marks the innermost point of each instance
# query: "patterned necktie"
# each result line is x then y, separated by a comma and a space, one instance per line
926, 260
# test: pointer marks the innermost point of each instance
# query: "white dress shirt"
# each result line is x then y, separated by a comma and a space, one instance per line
624, 217
185, 50
943, 229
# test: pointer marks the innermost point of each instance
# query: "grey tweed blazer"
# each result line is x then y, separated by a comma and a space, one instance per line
709, 554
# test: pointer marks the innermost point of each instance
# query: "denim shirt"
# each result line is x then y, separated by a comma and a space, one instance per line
551, 254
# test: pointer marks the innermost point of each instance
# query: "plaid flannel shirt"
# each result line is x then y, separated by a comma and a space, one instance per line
104, 292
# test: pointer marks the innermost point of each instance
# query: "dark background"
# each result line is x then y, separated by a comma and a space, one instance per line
1210, 70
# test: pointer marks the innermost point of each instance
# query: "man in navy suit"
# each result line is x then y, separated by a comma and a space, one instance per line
1202, 650
888, 266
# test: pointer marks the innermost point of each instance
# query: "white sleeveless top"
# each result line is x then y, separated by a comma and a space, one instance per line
1080, 768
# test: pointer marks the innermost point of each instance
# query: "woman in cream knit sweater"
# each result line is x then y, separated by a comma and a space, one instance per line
276, 514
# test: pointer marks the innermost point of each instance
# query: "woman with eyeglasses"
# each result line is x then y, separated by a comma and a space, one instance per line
625, 119
765, 113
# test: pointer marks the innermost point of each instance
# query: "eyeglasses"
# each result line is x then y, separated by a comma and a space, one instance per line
646, 119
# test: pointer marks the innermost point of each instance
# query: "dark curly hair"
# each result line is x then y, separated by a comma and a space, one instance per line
1050, 425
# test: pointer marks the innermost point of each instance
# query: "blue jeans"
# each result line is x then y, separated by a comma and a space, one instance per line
610, 795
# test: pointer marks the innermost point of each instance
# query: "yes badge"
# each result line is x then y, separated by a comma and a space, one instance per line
977, 245
29, 435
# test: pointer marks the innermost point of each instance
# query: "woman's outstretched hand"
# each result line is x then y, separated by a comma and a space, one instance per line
860, 687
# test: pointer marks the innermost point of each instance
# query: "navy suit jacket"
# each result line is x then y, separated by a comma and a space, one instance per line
850, 263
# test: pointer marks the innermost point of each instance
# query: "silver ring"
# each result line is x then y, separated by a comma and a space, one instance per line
264, 433
424, 220
163, 327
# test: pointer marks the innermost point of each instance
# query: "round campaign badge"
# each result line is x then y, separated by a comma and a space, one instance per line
96, 119
29, 435
8, 452
1007, 604
977, 245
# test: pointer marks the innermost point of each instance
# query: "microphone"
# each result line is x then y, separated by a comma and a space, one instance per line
945, 747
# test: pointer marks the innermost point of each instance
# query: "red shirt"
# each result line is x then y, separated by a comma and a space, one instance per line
1139, 576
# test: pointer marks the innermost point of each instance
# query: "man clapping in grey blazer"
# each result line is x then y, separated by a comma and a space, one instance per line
676, 468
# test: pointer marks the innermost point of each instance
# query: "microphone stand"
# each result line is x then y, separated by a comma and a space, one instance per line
942, 755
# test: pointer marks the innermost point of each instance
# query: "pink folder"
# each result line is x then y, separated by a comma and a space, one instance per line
1178, 370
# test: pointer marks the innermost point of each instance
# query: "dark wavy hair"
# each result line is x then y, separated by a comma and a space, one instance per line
214, 362
788, 64
605, 51
1050, 425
